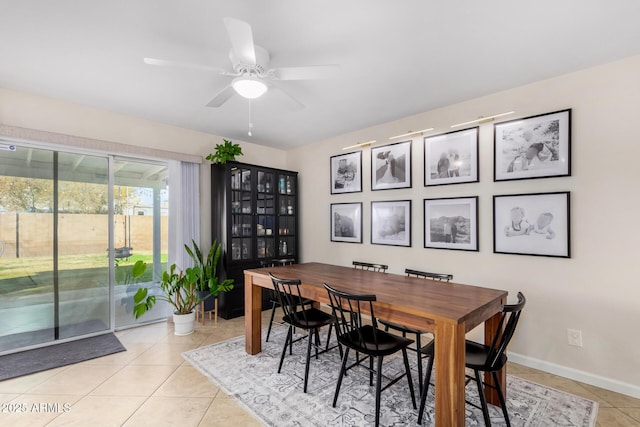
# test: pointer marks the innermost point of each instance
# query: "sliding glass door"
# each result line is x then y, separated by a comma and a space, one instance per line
26, 262
81, 240
68, 239
140, 233
54, 271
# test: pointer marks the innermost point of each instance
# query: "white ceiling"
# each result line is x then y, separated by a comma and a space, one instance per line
397, 58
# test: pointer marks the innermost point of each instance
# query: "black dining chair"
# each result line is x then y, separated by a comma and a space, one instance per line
416, 332
381, 268
298, 315
274, 299
483, 358
366, 339
439, 277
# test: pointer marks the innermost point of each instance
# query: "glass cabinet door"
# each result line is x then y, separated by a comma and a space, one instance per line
287, 240
286, 215
241, 214
266, 213
263, 214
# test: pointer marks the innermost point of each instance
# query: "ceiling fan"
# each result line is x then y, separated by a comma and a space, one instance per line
251, 72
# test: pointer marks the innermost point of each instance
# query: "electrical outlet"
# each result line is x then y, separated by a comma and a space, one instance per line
574, 337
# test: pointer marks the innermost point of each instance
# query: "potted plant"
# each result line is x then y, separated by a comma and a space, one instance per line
178, 289
224, 153
208, 284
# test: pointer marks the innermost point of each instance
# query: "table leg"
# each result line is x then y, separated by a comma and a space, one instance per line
450, 379
490, 329
252, 316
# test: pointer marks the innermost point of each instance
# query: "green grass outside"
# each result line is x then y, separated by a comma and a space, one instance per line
26, 276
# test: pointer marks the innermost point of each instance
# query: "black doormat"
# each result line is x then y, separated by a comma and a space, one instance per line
41, 359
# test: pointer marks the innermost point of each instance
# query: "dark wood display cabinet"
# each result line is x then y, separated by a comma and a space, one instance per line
254, 216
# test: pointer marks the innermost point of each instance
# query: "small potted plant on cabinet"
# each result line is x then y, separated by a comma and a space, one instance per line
224, 153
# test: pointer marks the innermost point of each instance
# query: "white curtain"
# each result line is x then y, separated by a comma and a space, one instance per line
184, 210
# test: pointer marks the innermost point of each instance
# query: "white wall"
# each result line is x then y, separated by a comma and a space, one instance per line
52, 115
596, 291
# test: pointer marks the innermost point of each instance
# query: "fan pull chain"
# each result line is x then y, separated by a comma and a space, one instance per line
250, 124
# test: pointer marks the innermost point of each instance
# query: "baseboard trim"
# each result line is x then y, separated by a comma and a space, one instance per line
574, 374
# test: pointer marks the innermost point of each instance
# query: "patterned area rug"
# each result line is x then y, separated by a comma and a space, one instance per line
278, 400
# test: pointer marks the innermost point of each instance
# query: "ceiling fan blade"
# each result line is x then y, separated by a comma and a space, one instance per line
222, 97
241, 38
292, 101
169, 63
312, 72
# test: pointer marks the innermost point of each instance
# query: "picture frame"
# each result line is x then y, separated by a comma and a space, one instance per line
533, 147
346, 222
391, 166
451, 223
346, 173
451, 158
391, 223
532, 224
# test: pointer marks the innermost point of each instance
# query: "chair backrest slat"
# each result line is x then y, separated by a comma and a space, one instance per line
510, 314
276, 262
426, 275
347, 310
382, 268
288, 294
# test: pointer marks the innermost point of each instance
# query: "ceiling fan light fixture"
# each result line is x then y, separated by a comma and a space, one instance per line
249, 87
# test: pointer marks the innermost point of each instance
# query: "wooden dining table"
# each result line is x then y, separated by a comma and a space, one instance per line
449, 310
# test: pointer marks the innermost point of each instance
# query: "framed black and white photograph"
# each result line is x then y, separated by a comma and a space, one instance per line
346, 222
346, 173
451, 158
532, 224
391, 223
451, 223
391, 166
533, 147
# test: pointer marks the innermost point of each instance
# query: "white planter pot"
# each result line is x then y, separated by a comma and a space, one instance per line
184, 323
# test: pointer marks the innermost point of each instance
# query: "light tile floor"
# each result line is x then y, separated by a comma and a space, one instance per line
151, 384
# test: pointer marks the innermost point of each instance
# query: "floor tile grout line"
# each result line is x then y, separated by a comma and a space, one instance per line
147, 398
204, 414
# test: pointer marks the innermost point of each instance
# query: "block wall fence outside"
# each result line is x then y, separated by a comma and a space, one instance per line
77, 234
